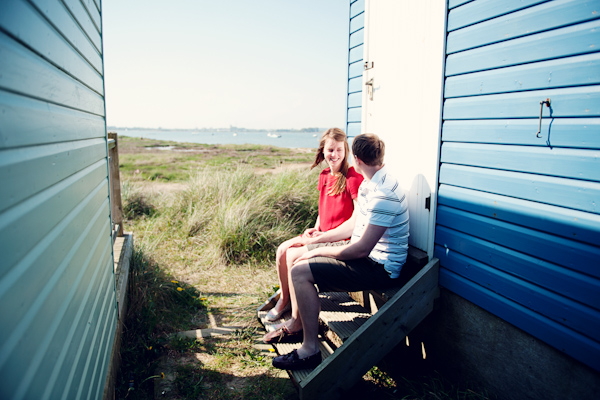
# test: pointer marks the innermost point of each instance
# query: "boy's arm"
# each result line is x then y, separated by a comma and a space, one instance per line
344, 231
360, 249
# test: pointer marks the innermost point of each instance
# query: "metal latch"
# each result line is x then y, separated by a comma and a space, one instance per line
369, 85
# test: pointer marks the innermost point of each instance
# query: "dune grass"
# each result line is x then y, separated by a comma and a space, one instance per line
211, 244
204, 255
147, 160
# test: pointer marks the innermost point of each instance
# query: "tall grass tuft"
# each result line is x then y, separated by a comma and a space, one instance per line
235, 217
135, 203
242, 217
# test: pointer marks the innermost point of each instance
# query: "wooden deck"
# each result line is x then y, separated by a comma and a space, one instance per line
353, 339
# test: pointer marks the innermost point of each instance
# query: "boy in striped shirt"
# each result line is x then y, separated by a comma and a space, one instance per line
372, 260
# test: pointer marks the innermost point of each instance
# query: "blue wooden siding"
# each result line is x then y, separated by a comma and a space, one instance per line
57, 297
355, 67
518, 218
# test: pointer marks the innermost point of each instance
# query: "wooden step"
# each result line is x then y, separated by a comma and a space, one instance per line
375, 338
352, 340
298, 376
340, 317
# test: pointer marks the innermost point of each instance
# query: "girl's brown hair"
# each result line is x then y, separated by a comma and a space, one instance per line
339, 136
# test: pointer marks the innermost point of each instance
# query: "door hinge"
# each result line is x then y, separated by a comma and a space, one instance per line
428, 203
369, 65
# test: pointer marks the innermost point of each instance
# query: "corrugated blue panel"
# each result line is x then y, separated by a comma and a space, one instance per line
477, 11
455, 3
566, 132
580, 287
564, 222
566, 163
86, 23
84, 355
353, 129
20, 230
569, 193
94, 13
581, 101
54, 306
42, 300
56, 13
65, 356
357, 7
357, 22
354, 115
57, 294
30, 27
26, 73
357, 38
518, 221
355, 54
564, 42
97, 4
561, 337
355, 67
46, 264
577, 256
355, 85
572, 71
541, 18
560, 309
26, 122
53, 163
354, 99
93, 368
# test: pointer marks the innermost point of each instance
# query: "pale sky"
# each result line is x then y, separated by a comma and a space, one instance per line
271, 64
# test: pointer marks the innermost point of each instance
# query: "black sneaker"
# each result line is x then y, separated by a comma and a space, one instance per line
292, 362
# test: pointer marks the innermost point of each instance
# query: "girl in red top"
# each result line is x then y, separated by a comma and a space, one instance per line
338, 187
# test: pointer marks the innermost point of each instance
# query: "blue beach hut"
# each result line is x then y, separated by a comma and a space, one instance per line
58, 306
490, 111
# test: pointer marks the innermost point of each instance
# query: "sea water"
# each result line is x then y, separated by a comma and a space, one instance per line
291, 139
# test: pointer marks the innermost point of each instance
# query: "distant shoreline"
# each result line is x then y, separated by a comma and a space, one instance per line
285, 139
230, 129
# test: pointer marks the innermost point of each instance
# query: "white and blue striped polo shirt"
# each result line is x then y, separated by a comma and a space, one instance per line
382, 202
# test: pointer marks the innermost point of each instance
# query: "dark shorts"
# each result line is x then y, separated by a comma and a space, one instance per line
333, 275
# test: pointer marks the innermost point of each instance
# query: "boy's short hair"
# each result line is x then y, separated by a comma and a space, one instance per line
369, 148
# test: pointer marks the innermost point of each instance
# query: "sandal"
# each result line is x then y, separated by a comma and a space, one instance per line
273, 315
283, 335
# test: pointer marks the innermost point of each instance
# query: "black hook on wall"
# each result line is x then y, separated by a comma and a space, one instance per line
547, 103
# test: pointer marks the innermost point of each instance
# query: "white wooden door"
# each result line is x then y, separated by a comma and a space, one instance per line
403, 53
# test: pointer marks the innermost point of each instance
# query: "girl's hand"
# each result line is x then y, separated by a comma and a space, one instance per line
309, 232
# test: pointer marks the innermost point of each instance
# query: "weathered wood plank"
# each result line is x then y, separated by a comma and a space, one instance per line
115, 184
375, 338
341, 316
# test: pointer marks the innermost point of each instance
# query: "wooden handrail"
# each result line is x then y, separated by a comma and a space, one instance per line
116, 205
